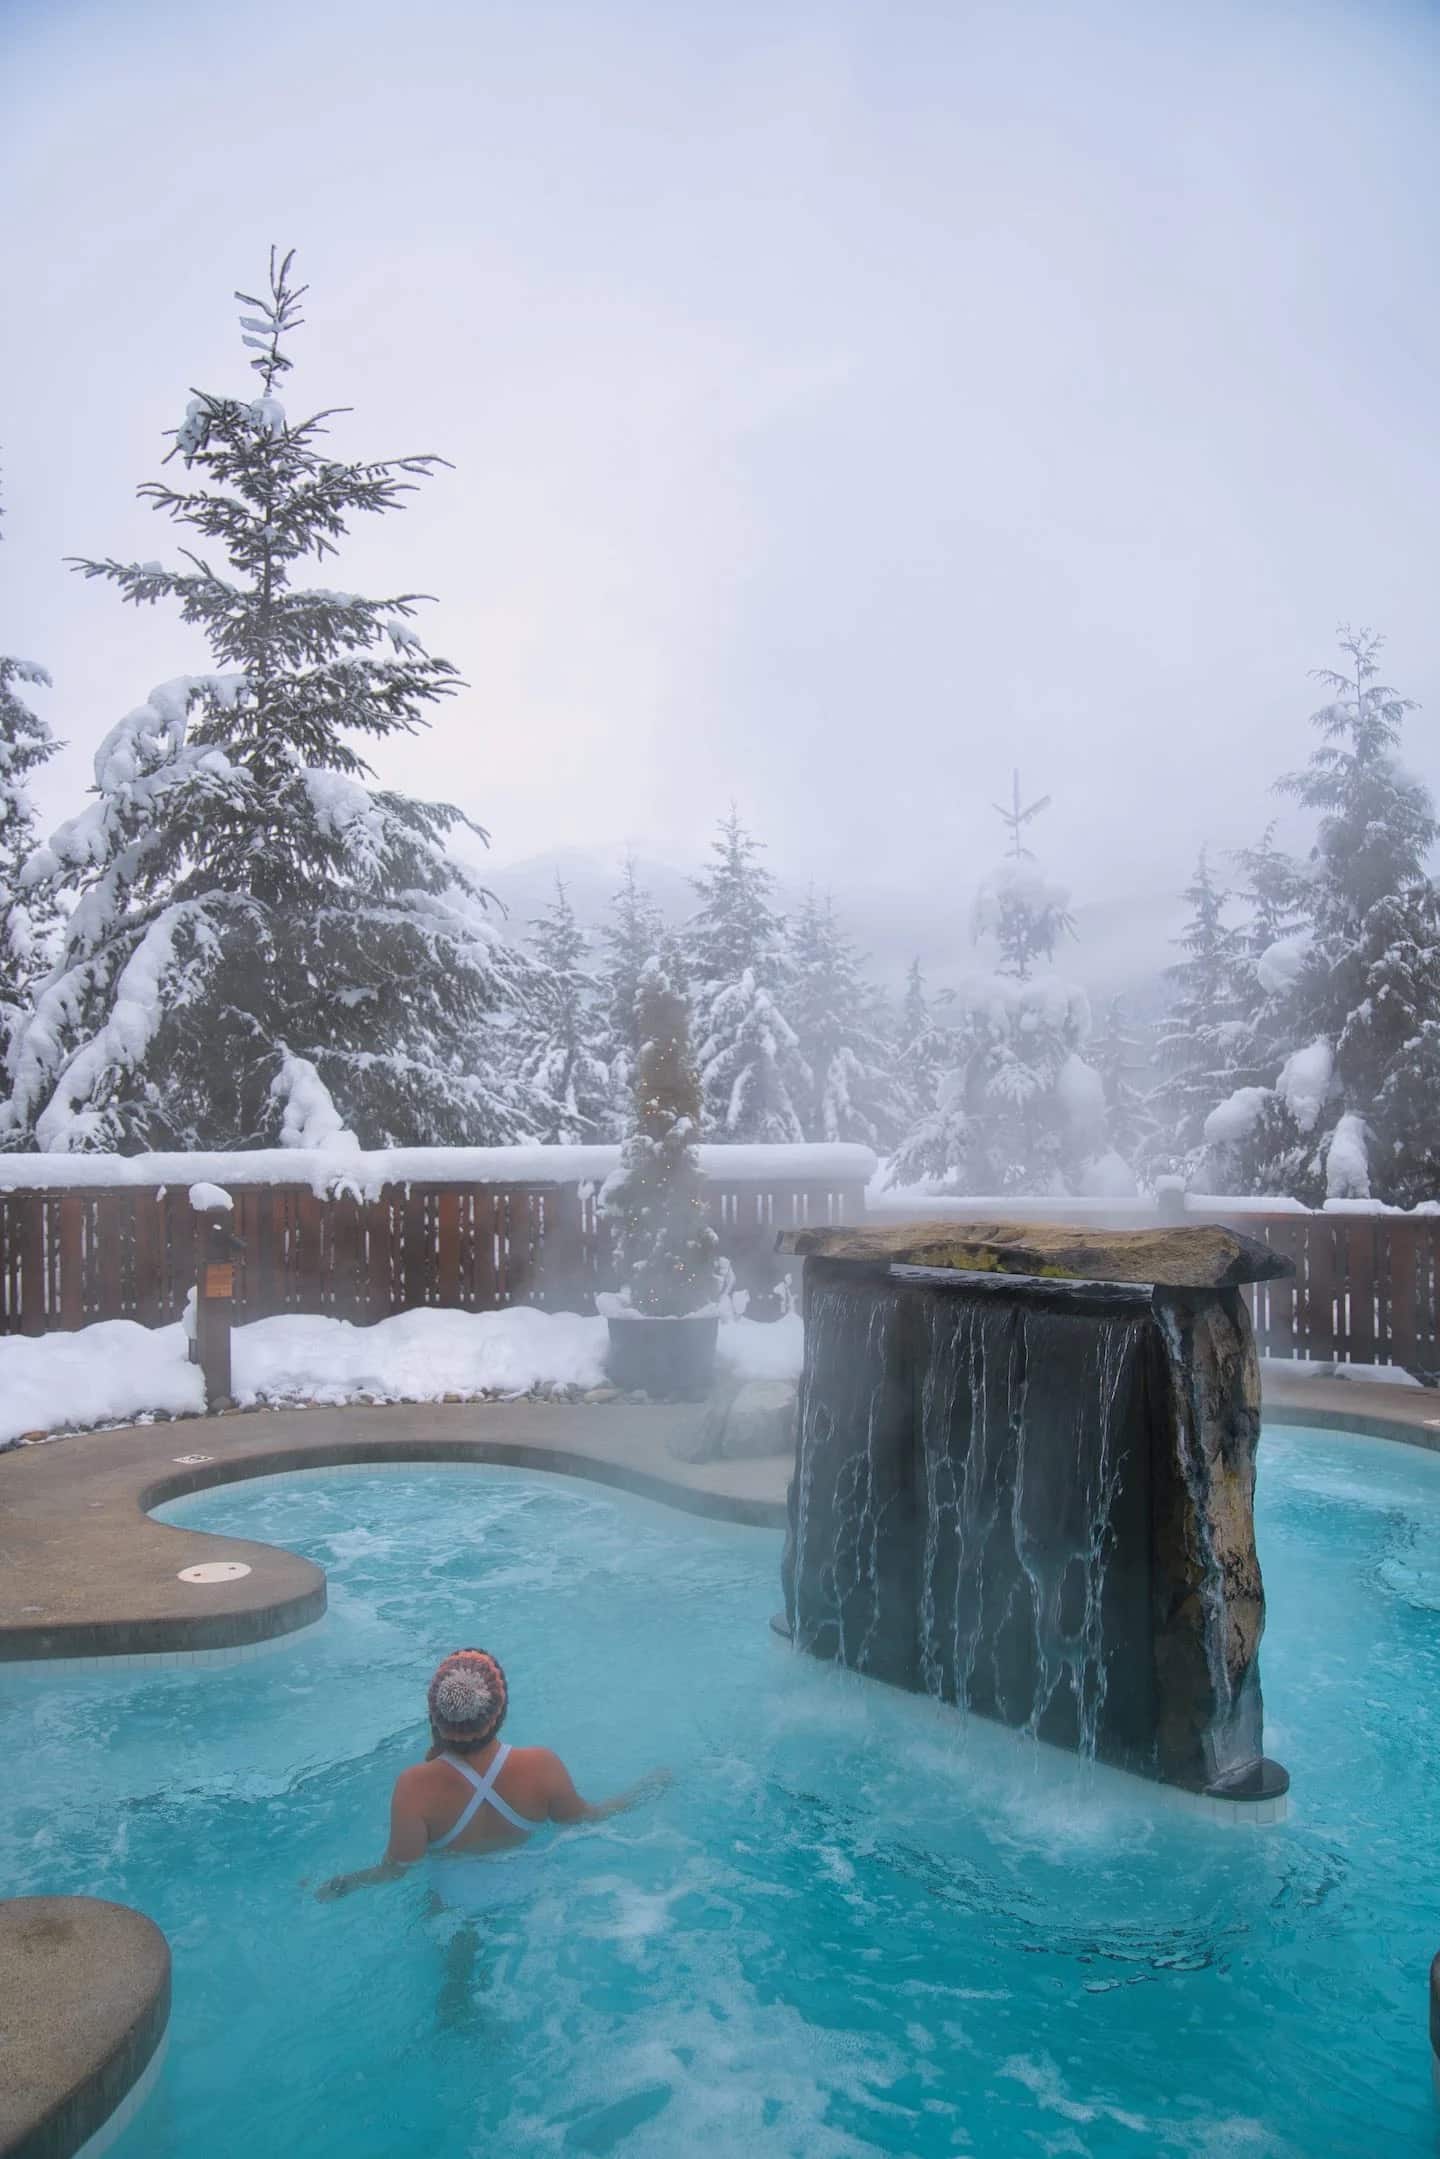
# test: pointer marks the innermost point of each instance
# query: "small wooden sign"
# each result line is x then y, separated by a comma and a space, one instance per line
220, 1280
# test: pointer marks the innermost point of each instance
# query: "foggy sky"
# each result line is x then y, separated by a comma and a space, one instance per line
847, 402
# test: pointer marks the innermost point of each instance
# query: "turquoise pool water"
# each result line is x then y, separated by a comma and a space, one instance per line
855, 1925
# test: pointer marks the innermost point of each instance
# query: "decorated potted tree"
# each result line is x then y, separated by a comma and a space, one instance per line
663, 1322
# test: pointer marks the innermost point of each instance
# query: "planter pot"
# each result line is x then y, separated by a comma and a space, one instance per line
662, 1356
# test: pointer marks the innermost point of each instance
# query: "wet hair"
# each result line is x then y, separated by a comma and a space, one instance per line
467, 1699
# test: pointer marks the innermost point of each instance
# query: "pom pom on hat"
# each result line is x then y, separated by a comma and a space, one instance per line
468, 1696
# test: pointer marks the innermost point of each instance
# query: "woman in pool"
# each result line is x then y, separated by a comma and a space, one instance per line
474, 1795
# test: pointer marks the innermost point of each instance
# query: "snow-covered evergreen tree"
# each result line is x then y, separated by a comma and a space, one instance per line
1393, 1034
750, 1066
632, 938
736, 925
1017, 1106
938, 1145
1017, 905
914, 1005
556, 1030
751, 1071
28, 923
1118, 1052
922, 1050
1377, 824
1272, 893
666, 1252
843, 1041
251, 917
1350, 1112
1199, 1040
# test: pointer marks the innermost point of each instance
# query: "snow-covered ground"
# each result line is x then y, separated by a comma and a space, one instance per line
1389, 1375
116, 1371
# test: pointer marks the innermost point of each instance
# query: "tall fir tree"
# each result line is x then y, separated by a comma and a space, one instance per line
1199, 1040
921, 1051
1118, 1052
751, 1071
1353, 1110
1272, 893
914, 1005
1377, 824
938, 1145
666, 1253
1017, 1106
1393, 1037
632, 937
842, 1035
736, 926
559, 1063
28, 921
1020, 908
257, 930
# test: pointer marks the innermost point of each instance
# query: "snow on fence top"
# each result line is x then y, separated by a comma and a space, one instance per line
896, 1202
328, 1171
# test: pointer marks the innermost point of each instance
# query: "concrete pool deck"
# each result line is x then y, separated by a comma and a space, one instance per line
85, 1571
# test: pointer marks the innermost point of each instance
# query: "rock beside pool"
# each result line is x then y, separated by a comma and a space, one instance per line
761, 1420
747, 1423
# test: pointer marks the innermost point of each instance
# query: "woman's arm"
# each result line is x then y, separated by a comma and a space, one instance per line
566, 1805
409, 1840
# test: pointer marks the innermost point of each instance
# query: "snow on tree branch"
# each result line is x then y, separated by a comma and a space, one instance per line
238, 897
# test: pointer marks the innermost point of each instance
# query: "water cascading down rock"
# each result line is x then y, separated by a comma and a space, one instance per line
1025, 1469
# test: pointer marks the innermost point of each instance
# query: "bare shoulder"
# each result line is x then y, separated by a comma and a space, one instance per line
539, 1770
538, 1761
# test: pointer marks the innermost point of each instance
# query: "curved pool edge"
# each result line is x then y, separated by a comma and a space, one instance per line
86, 1984
93, 1578
1296, 1411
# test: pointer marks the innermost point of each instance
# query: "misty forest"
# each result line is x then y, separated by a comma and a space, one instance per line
238, 940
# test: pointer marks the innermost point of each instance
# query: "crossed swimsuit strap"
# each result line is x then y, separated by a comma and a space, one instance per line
485, 1794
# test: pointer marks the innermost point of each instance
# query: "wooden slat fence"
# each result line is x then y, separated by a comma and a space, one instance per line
132, 1252
1366, 1289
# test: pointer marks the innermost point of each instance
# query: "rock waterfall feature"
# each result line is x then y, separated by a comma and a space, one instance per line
1025, 1468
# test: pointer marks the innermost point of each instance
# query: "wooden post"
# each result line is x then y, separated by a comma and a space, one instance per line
562, 1254
214, 1303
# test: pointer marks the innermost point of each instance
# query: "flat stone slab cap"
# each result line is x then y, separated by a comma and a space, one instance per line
1199, 1256
84, 2001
